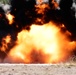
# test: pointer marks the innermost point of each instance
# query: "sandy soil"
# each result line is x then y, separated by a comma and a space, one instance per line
37, 69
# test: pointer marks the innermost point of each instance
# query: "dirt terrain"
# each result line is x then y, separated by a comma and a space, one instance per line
37, 69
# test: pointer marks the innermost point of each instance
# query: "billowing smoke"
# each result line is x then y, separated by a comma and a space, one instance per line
36, 28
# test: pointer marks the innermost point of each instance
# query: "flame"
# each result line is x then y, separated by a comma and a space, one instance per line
42, 44
10, 18
5, 42
41, 8
55, 3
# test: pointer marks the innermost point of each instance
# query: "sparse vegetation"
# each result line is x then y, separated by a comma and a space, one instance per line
73, 58
5, 1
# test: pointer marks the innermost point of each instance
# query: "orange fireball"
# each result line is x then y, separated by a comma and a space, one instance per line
42, 44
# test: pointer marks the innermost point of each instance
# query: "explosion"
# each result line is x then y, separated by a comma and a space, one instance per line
41, 44
43, 36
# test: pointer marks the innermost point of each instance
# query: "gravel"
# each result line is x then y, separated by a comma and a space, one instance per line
37, 69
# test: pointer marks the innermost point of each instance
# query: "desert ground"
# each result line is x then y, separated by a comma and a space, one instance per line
37, 69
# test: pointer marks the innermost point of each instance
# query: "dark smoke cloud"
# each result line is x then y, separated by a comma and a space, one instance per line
25, 14
5, 29
68, 15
